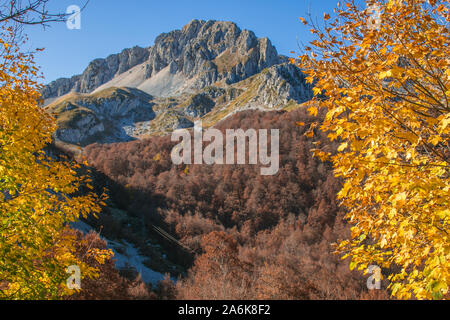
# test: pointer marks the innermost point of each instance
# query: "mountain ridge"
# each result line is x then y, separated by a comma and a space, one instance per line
188, 50
208, 70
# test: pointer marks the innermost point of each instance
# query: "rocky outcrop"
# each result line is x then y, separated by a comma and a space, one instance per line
117, 114
280, 84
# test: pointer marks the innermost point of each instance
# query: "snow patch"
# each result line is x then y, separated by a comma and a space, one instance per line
129, 258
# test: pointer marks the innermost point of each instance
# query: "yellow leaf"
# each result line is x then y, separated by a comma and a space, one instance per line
313, 111
385, 74
342, 146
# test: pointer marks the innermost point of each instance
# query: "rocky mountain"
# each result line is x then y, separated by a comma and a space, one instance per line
97, 73
207, 70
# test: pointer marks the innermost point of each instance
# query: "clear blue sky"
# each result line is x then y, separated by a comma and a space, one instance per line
109, 26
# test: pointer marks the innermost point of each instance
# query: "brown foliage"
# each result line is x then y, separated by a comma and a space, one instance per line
257, 237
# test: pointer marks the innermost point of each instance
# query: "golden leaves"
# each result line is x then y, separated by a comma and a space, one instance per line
38, 193
313, 111
310, 132
387, 101
343, 146
385, 74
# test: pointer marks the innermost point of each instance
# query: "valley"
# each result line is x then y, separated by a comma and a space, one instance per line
118, 116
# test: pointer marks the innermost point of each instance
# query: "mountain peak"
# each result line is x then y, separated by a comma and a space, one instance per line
193, 26
198, 55
207, 70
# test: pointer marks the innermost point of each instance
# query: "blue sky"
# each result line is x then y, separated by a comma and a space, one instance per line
109, 26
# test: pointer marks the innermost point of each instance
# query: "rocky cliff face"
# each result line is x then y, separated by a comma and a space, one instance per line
110, 116
208, 70
211, 51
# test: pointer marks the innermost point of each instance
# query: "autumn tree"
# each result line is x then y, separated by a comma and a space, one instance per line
218, 273
39, 195
381, 71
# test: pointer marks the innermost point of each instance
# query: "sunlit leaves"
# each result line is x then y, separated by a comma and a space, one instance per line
387, 99
38, 195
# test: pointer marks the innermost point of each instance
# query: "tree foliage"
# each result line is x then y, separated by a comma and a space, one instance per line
382, 74
257, 237
39, 195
